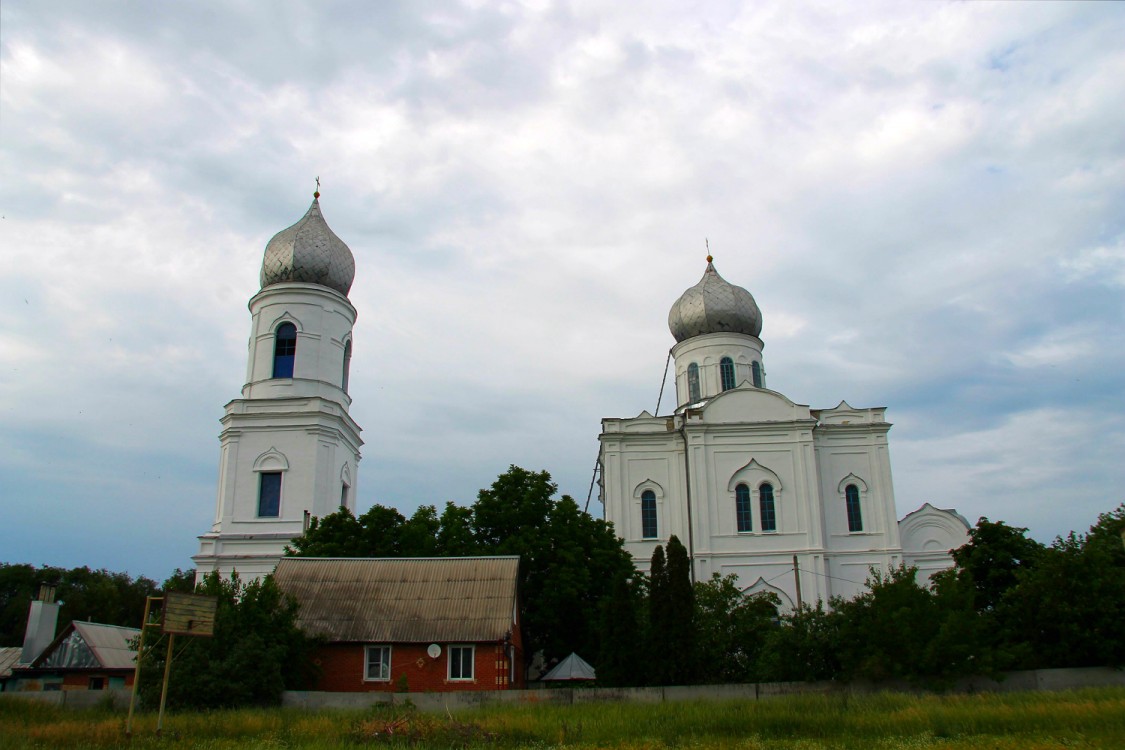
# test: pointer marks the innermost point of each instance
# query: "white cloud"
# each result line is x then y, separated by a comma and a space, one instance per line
926, 201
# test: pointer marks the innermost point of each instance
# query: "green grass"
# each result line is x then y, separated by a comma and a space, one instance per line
1025, 721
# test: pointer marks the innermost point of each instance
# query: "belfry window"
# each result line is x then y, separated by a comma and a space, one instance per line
855, 515
743, 517
347, 366
648, 514
726, 371
766, 507
693, 382
269, 494
756, 374
284, 350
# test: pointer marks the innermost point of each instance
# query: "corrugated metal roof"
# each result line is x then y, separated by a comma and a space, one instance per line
90, 645
111, 644
405, 600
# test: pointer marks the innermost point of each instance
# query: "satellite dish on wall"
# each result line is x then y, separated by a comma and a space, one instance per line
433, 650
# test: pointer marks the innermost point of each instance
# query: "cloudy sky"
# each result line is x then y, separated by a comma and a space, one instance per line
927, 201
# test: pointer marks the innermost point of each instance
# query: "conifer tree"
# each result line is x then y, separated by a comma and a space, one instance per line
680, 623
658, 612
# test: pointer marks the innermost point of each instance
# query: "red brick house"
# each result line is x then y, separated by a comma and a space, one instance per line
410, 624
84, 656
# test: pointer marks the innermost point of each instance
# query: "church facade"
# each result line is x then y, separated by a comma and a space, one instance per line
792, 500
288, 448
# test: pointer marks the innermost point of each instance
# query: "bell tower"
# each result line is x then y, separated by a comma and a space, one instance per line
288, 448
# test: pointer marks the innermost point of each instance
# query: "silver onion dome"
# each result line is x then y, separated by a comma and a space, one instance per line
714, 306
310, 252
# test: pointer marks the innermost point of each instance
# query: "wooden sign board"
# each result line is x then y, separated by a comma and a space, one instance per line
189, 614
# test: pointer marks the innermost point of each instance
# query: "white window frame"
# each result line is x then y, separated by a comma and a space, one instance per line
367, 663
457, 648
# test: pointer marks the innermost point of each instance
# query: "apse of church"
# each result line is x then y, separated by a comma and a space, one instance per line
792, 500
288, 447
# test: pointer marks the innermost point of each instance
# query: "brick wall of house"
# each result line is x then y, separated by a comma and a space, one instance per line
342, 667
81, 680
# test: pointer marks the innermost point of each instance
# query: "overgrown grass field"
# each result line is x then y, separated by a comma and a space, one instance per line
1092, 718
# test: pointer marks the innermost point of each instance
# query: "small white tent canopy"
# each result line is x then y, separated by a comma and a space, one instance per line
572, 667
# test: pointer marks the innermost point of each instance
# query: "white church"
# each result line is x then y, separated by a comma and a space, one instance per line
792, 500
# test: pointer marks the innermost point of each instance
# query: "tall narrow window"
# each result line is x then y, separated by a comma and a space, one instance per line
269, 494
461, 662
347, 366
726, 370
756, 374
648, 514
343, 495
693, 382
766, 507
742, 508
855, 515
284, 350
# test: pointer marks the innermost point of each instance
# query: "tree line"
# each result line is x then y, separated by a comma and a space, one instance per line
1009, 603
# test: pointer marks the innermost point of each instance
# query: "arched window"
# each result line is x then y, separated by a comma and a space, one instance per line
742, 508
726, 371
693, 382
648, 514
347, 366
284, 350
766, 507
855, 515
756, 373
269, 494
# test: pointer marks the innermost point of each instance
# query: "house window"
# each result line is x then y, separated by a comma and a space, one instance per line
378, 664
742, 508
97, 683
855, 515
284, 350
756, 374
347, 367
461, 662
648, 514
766, 507
269, 494
726, 371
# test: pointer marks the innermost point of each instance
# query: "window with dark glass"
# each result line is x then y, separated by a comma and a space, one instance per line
284, 350
347, 366
343, 496
726, 371
742, 508
648, 514
855, 515
378, 664
461, 662
693, 382
766, 507
269, 494
756, 374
